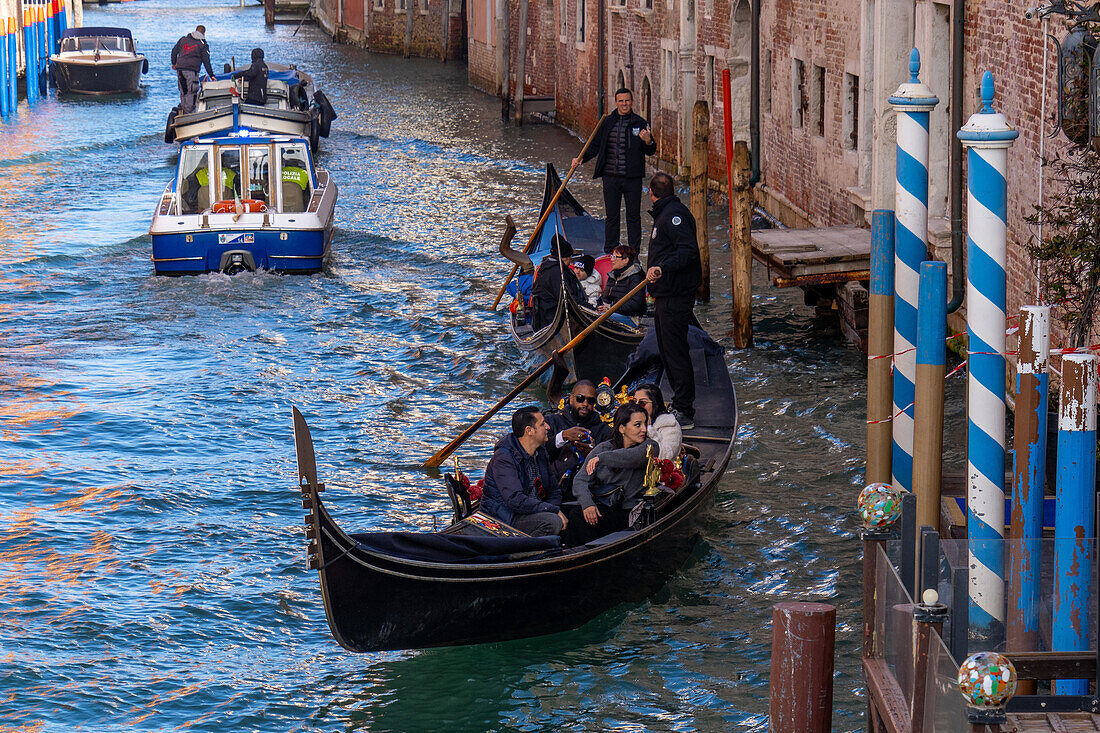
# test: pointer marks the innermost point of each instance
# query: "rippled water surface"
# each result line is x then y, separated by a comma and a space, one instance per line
151, 546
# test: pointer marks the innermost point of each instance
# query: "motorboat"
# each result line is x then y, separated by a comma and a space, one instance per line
97, 60
294, 107
243, 202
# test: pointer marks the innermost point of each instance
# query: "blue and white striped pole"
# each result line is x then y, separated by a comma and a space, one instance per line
913, 102
1074, 527
987, 136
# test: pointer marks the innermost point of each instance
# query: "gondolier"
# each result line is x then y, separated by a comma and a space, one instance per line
189, 56
622, 143
675, 274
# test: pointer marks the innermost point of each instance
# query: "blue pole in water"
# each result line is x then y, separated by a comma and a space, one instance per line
5, 70
13, 65
62, 22
880, 347
1074, 512
31, 51
931, 361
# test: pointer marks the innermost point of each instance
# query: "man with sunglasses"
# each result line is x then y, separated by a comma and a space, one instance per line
577, 425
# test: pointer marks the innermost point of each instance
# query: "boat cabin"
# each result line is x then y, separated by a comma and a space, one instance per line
262, 173
285, 90
97, 40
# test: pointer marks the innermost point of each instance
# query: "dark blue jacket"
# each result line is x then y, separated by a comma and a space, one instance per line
507, 492
674, 249
636, 150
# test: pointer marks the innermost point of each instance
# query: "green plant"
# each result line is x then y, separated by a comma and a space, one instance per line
1070, 248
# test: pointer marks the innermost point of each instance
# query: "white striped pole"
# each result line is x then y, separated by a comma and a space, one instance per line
987, 136
913, 102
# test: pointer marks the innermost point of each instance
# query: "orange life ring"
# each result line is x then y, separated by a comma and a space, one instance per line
248, 206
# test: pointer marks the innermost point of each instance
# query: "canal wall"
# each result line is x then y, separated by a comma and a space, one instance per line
423, 28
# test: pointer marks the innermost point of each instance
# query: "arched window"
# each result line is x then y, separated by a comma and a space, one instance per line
644, 106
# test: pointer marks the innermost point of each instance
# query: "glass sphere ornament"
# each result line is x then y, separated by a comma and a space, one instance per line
879, 505
987, 680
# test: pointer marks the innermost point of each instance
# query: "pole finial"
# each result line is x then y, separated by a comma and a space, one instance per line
914, 66
988, 93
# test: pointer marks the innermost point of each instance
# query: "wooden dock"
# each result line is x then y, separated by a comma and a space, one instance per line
801, 257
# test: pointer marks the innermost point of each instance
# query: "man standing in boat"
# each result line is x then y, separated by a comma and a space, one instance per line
189, 55
675, 274
520, 489
621, 145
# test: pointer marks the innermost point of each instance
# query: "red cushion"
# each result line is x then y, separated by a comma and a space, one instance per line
603, 266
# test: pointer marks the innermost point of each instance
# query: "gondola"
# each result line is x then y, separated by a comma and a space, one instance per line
479, 580
613, 341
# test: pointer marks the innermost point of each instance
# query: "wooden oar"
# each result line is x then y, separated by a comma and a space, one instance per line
441, 456
546, 214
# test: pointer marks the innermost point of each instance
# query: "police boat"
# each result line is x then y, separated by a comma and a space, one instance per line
293, 106
243, 202
97, 61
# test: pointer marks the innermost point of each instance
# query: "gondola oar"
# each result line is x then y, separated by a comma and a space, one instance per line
546, 214
441, 456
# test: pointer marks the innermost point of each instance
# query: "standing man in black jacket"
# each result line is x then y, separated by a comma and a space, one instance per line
189, 55
256, 76
675, 274
622, 143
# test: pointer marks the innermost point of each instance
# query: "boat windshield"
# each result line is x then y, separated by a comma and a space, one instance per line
294, 177
194, 178
259, 174
97, 43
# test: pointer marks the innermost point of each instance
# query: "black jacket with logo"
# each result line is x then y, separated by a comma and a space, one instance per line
191, 54
674, 249
636, 150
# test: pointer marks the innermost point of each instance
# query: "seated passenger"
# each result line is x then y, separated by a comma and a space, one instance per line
663, 428
295, 179
546, 291
256, 76
196, 197
584, 267
610, 484
519, 488
573, 431
625, 275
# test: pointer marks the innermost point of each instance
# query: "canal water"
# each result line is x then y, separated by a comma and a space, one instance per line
152, 570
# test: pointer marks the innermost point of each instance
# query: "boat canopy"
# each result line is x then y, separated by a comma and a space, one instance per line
101, 31
287, 76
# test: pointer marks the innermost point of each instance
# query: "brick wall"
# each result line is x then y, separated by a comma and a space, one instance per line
380, 25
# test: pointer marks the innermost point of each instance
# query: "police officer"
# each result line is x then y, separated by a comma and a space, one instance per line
189, 55
675, 274
294, 172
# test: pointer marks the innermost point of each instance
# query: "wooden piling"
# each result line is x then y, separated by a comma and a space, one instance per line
1026, 526
741, 245
700, 146
521, 63
269, 13
928, 410
880, 349
410, 10
801, 689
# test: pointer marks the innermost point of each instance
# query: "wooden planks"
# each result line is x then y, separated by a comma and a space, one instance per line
800, 253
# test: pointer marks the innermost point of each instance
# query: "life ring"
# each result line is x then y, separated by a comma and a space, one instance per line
248, 206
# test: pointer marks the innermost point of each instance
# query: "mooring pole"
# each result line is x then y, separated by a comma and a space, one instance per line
801, 689
741, 246
913, 102
987, 136
8, 38
269, 13
1073, 519
700, 152
928, 412
727, 137
880, 348
521, 62
30, 50
1028, 480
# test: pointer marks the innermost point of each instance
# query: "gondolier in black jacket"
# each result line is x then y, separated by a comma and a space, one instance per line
189, 55
547, 287
621, 145
675, 274
520, 488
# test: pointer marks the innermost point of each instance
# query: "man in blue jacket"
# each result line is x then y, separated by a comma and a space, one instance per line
620, 147
520, 488
675, 273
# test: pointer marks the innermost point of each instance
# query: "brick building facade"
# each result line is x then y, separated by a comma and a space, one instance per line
438, 26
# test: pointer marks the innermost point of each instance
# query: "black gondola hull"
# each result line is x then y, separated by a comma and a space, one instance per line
376, 602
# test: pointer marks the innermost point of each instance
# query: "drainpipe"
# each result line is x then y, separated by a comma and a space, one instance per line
601, 53
958, 278
754, 94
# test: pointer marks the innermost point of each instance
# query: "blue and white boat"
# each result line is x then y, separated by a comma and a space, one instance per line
271, 209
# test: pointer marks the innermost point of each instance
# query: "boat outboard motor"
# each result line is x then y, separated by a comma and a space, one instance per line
236, 261
520, 258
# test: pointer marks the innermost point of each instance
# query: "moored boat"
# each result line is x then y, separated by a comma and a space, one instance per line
244, 202
613, 340
294, 107
97, 60
480, 580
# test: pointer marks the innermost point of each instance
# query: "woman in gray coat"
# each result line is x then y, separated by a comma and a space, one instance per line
610, 484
